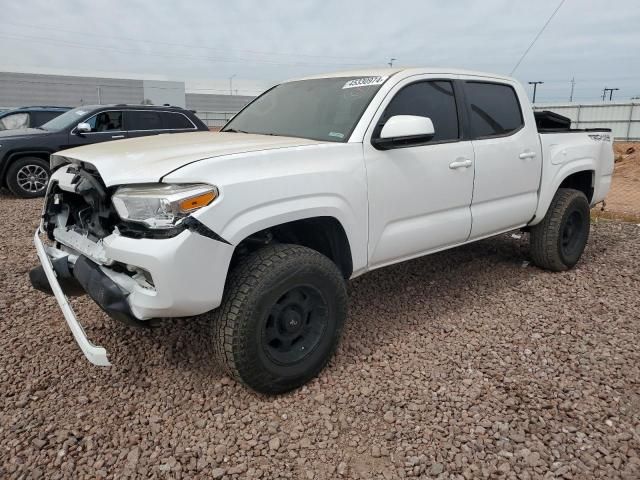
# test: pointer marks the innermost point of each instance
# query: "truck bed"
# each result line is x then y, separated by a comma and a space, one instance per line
551, 122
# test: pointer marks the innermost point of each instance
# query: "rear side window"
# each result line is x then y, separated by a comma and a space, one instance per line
176, 121
40, 118
14, 121
433, 99
495, 110
144, 120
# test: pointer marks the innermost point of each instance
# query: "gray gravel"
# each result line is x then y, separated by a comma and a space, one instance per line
468, 363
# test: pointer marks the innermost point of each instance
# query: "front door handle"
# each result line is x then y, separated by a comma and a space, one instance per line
460, 163
525, 155
117, 136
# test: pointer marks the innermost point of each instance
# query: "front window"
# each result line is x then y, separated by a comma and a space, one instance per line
68, 119
326, 109
105, 122
434, 99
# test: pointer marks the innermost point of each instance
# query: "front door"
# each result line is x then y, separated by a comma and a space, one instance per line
105, 126
420, 195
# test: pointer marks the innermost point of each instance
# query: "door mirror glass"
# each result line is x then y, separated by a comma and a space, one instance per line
83, 127
401, 126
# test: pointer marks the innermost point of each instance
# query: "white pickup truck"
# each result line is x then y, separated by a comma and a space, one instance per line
316, 181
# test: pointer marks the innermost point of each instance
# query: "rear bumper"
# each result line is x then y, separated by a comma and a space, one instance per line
95, 354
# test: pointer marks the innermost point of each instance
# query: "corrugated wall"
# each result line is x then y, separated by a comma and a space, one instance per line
622, 118
204, 102
23, 89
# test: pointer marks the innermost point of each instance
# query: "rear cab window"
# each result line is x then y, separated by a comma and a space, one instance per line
494, 109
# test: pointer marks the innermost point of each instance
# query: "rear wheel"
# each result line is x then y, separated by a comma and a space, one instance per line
281, 317
558, 241
28, 177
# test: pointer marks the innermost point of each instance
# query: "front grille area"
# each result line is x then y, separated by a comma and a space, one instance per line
86, 210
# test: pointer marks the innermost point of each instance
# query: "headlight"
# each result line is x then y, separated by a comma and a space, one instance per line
160, 205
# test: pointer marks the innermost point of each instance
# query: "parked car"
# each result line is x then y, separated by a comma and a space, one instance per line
24, 154
29, 117
315, 182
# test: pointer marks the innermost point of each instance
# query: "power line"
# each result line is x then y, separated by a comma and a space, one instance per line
537, 36
181, 56
206, 47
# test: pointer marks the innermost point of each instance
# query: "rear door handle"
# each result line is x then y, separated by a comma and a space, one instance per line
117, 136
460, 163
525, 155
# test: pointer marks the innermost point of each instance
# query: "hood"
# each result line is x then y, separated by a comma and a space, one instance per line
22, 133
148, 159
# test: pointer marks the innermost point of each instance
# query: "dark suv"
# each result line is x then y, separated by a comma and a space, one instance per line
24, 154
29, 117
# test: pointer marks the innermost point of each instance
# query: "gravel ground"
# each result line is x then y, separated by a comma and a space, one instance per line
468, 363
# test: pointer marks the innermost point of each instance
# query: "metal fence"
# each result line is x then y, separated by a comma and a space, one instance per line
215, 119
622, 118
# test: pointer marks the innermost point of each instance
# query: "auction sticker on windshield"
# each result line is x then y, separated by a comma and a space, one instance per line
364, 82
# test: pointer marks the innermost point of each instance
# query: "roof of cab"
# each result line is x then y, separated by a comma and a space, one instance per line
373, 72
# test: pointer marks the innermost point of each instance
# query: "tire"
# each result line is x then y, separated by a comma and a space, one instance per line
280, 301
558, 241
28, 177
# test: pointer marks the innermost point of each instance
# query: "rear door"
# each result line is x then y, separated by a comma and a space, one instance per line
419, 195
508, 159
105, 126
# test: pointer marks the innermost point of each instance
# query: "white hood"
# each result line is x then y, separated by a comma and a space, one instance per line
148, 159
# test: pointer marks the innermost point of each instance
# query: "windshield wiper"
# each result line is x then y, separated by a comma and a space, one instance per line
232, 130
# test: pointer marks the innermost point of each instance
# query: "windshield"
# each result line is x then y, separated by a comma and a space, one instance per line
326, 109
67, 119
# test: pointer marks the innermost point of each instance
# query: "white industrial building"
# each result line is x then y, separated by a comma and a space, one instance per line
25, 89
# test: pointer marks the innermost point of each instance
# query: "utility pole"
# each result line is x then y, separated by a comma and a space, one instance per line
231, 84
573, 84
391, 62
535, 87
99, 95
610, 90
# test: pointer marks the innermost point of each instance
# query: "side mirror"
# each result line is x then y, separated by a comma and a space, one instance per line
83, 128
404, 130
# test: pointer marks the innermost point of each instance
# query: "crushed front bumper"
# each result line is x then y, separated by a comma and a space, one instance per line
95, 354
188, 273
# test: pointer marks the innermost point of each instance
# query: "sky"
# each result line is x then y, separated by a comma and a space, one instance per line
261, 43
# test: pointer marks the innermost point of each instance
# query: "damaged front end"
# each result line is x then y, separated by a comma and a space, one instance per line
137, 250
77, 216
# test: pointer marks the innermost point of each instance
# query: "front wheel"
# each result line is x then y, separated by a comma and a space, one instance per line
28, 177
558, 241
281, 318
